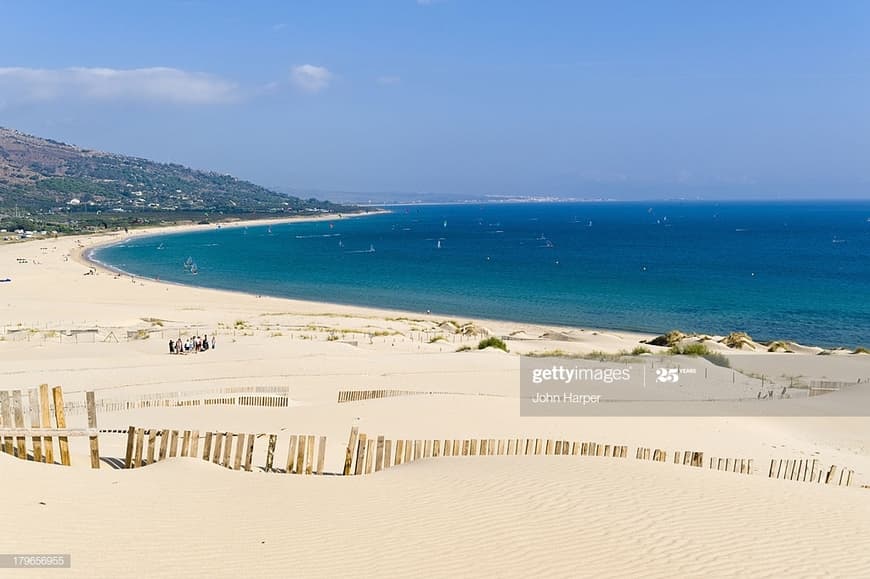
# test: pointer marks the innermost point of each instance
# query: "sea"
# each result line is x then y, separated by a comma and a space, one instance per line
776, 270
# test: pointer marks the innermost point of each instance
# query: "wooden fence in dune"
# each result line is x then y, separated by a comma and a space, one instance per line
738, 465
809, 470
364, 454
305, 454
40, 405
360, 395
260, 396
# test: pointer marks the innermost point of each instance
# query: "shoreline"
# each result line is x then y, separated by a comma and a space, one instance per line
84, 255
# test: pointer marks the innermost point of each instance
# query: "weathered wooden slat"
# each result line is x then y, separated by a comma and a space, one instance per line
60, 420
45, 421
131, 441
379, 454
240, 450
270, 452
206, 445
309, 459
173, 443
152, 439
300, 453
400, 451
194, 443
291, 453
349, 453
140, 443
218, 447
321, 454
388, 453
164, 444
360, 454
370, 455
6, 421
18, 417
249, 452
185, 443
228, 449
33, 396
93, 440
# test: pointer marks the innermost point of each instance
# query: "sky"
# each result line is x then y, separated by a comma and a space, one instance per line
615, 99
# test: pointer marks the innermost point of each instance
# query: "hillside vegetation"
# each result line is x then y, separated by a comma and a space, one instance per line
47, 184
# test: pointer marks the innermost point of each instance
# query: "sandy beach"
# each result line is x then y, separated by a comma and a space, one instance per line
442, 516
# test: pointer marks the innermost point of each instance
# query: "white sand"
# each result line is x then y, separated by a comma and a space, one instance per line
565, 516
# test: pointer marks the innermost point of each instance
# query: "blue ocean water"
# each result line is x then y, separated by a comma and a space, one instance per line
784, 270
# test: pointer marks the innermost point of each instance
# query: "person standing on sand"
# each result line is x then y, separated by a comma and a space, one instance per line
171, 346
204, 342
212, 341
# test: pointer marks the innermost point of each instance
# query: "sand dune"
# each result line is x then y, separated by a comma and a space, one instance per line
480, 516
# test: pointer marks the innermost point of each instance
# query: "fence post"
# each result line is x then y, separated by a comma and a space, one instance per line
270, 452
291, 453
309, 460
131, 440
249, 452
173, 443
164, 444
228, 449
60, 419
18, 412
348, 456
33, 395
92, 423
379, 457
321, 455
140, 442
6, 420
152, 438
360, 454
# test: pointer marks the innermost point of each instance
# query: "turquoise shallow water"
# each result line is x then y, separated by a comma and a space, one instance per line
797, 270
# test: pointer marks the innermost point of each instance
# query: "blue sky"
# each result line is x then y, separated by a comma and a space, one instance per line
469, 97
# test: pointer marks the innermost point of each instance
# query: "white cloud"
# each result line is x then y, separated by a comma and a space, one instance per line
158, 84
388, 79
310, 78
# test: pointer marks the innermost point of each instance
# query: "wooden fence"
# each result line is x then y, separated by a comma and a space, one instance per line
359, 395
809, 470
232, 450
40, 405
364, 454
738, 465
262, 396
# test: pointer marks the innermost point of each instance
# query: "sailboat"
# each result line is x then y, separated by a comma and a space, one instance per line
188, 263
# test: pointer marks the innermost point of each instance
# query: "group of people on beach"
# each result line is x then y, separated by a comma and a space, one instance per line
191, 345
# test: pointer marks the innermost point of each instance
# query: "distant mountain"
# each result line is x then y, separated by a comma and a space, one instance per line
42, 177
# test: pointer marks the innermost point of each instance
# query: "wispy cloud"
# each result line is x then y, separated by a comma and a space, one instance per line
389, 79
310, 78
158, 84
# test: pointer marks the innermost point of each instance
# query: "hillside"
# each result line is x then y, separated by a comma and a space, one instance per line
46, 181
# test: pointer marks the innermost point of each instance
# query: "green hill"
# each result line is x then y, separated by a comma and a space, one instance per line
53, 185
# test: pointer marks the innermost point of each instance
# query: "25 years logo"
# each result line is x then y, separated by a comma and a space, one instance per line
667, 375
